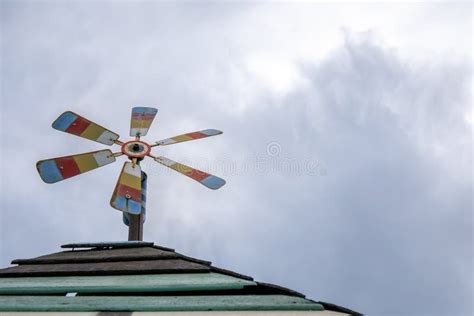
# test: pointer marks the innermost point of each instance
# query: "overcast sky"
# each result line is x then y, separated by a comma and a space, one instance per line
347, 144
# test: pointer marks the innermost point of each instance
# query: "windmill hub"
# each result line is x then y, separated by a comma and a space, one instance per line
136, 149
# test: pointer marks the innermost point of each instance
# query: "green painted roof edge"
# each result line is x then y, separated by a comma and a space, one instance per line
121, 283
157, 303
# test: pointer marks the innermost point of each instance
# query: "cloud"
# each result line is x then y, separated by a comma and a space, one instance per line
347, 153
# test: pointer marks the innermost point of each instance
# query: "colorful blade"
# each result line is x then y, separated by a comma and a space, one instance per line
206, 179
75, 124
126, 216
57, 169
127, 196
189, 136
141, 120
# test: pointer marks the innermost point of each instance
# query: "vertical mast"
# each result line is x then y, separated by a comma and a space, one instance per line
135, 227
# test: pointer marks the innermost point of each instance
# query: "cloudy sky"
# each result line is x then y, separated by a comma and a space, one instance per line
347, 144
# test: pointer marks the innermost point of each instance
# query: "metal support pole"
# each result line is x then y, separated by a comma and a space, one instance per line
135, 227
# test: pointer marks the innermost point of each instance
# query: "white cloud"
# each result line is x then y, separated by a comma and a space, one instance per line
375, 96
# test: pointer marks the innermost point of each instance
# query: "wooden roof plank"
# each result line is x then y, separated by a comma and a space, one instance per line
112, 244
157, 303
231, 273
104, 268
121, 283
280, 288
101, 255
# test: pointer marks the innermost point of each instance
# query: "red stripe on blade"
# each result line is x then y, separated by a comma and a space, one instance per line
68, 167
197, 175
127, 191
78, 126
196, 135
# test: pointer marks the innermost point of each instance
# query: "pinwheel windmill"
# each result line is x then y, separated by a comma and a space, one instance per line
130, 192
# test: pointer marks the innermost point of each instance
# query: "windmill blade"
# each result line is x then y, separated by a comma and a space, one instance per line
57, 169
127, 196
141, 120
189, 136
126, 216
206, 179
75, 124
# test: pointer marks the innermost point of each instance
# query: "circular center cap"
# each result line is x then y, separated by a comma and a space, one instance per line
136, 149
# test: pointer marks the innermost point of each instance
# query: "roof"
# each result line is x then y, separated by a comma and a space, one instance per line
98, 276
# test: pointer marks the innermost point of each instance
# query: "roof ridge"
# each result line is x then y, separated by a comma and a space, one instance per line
110, 244
192, 259
282, 289
93, 260
231, 273
337, 308
163, 248
172, 266
101, 255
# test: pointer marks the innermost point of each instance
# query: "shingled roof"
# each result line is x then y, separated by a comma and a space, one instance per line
139, 276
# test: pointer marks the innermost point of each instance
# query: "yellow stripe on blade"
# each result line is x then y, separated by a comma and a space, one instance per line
182, 138
86, 162
130, 181
93, 131
181, 168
